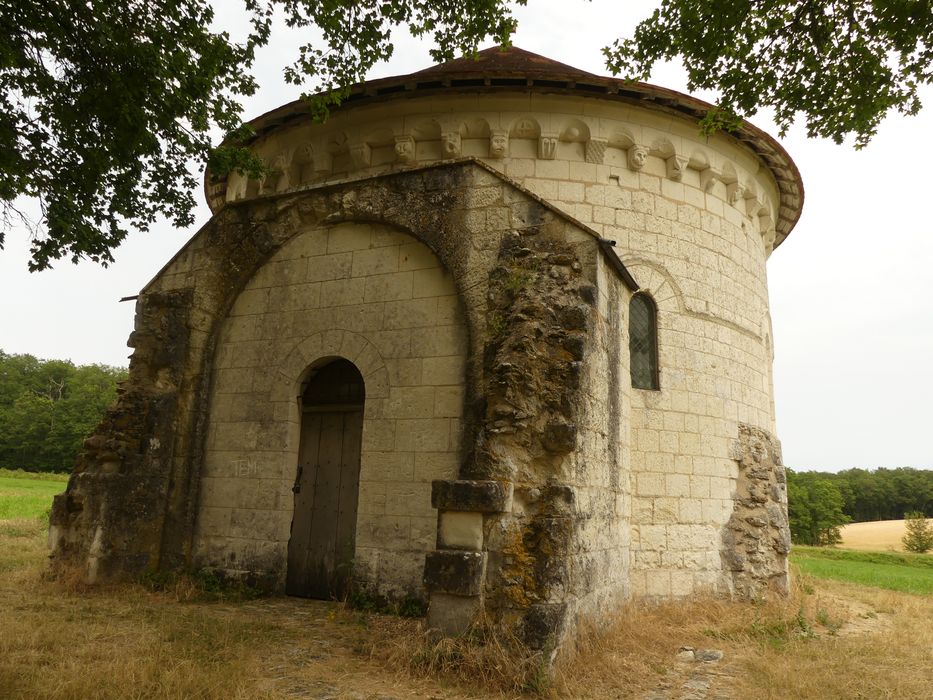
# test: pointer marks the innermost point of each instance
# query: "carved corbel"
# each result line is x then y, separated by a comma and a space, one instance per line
236, 187
754, 206
637, 157
404, 149
709, 177
735, 192
281, 168
323, 160
547, 147
498, 143
450, 144
676, 165
596, 151
361, 155
769, 237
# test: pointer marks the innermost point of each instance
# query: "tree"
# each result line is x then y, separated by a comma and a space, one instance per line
842, 64
814, 507
919, 537
48, 408
105, 104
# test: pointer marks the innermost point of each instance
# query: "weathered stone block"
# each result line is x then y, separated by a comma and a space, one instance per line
480, 496
452, 615
455, 572
457, 530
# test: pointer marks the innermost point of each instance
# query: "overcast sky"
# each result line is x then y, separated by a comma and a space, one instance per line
851, 289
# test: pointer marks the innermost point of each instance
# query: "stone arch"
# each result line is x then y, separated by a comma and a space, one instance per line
301, 167
525, 127
386, 303
655, 280
426, 204
699, 159
474, 128
662, 147
621, 138
575, 131
426, 130
292, 371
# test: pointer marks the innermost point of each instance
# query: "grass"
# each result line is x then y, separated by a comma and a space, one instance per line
908, 573
61, 640
28, 494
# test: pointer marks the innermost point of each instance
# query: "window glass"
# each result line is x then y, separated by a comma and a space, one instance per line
643, 342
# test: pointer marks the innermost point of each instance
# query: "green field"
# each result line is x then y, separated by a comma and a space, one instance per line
28, 495
908, 573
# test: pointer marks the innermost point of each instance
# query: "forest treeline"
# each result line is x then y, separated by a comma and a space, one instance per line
820, 502
48, 408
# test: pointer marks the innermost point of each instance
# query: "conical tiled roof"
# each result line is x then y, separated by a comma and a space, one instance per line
502, 61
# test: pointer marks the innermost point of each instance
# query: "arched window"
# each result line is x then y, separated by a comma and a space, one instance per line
643, 342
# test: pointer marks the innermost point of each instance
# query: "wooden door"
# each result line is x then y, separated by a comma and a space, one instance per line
322, 544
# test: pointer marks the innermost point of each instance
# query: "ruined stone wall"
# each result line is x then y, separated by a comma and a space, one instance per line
382, 300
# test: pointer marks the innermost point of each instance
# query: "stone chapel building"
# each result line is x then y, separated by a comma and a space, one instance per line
494, 337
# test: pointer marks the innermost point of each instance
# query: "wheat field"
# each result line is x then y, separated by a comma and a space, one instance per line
878, 536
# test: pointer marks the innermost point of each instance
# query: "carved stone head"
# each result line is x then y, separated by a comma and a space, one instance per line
450, 144
637, 157
405, 149
498, 144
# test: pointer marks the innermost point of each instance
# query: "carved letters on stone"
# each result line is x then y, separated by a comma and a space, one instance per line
404, 149
676, 165
595, 151
637, 157
547, 147
450, 144
498, 144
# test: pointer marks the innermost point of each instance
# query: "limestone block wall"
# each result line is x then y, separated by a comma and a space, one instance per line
693, 218
381, 299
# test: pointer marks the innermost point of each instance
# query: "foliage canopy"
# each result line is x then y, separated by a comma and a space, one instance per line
919, 537
48, 408
106, 106
841, 64
814, 508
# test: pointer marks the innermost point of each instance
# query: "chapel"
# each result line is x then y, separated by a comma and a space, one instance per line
494, 338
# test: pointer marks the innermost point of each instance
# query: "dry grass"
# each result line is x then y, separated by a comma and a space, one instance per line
489, 659
59, 641
827, 640
879, 536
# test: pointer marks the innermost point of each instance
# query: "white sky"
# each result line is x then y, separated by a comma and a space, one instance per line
851, 289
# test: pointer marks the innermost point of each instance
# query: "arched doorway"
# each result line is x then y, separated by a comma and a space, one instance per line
322, 544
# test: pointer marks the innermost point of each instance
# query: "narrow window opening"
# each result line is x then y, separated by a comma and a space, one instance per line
643, 342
